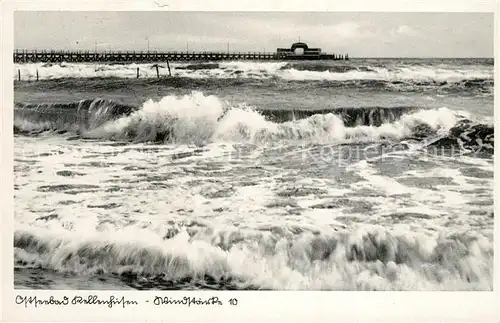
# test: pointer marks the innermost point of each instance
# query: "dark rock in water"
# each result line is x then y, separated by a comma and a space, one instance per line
460, 127
481, 131
422, 130
445, 142
471, 133
466, 134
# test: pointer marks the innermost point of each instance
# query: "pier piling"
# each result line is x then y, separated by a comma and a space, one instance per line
168, 66
18, 74
157, 71
37, 74
137, 72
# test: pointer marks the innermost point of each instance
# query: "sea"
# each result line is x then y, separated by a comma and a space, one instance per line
367, 174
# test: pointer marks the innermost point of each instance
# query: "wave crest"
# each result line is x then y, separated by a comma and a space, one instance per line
366, 73
199, 119
368, 259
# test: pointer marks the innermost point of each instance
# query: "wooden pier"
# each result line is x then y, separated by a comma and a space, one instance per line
44, 56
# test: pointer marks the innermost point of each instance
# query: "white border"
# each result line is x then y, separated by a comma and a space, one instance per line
259, 5
253, 306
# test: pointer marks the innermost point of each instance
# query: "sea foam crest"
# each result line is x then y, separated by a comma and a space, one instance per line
366, 259
197, 118
260, 70
200, 119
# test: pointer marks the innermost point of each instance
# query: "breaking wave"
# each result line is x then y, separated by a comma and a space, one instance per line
315, 67
397, 77
201, 119
282, 258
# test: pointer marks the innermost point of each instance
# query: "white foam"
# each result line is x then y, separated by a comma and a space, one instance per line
257, 70
220, 206
197, 118
267, 261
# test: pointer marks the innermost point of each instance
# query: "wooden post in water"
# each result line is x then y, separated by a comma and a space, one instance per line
137, 72
18, 74
157, 71
37, 74
168, 65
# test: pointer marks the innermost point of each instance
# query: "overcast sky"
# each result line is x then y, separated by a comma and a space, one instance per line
359, 34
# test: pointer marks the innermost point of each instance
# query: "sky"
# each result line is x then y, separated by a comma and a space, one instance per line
370, 34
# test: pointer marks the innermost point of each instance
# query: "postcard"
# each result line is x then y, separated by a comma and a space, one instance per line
184, 163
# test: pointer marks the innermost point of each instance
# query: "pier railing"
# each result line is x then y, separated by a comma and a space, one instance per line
54, 56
